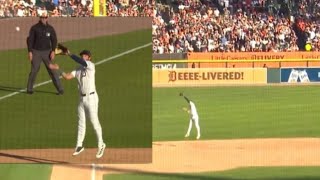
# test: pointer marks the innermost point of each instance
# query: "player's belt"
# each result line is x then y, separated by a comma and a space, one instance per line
86, 94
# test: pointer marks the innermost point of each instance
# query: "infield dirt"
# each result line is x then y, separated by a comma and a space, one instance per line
207, 155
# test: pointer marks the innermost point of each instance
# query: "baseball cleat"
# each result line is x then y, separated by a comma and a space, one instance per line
187, 135
78, 150
198, 137
101, 151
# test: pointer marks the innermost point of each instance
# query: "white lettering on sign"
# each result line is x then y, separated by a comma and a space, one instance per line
164, 66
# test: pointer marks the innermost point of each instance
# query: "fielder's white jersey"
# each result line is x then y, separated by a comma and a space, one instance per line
86, 78
193, 109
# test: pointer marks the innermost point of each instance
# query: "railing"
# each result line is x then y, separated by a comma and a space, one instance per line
247, 63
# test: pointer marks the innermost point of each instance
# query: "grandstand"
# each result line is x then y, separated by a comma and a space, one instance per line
237, 26
181, 26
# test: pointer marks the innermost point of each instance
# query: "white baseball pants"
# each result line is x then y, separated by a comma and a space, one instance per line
196, 123
88, 107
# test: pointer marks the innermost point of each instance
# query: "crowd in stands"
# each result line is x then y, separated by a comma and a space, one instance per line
237, 26
124, 8
57, 8
75, 8
201, 25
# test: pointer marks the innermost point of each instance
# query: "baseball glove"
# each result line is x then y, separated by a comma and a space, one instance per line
62, 49
58, 51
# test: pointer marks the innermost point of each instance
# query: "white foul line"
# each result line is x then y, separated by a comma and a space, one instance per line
124, 53
93, 172
97, 63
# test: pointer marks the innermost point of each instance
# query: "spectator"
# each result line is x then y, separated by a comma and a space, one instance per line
56, 12
216, 27
204, 25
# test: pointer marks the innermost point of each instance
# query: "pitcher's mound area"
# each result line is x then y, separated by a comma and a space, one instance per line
211, 155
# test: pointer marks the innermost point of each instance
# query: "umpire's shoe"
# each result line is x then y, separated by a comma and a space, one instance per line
78, 150
61, 92
29, 92
101, 151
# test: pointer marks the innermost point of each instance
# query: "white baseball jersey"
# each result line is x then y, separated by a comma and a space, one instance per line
193, 109
88, 104
86, 78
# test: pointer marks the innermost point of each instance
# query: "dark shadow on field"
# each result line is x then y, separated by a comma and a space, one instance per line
31, 159
199, 177
21, 90
175, 176
181, 176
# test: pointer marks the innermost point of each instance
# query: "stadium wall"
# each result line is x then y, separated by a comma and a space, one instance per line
177, 72
175, 77
299, 75
169, 65
266, 59
208, 76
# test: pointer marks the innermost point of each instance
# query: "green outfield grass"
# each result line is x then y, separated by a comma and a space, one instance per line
238, 112
254, 173
45, 120
25, 171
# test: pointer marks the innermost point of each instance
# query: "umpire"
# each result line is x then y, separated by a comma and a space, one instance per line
42, 42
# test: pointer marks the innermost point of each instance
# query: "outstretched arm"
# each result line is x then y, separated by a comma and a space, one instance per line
78, 60
186, 99
66, 76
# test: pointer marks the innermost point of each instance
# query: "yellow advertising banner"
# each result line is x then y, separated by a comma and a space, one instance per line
208, 76
254, 55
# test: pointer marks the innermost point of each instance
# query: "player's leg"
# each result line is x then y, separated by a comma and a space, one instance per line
35, 66
196, 122
93, 114
189, 128
81, 128
52, 73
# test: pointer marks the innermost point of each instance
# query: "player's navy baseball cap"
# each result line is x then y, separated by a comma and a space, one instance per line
86, 52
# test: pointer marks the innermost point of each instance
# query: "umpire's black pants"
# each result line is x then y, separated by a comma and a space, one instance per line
37, 58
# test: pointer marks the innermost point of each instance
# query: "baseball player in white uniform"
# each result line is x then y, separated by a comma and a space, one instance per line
88, 101
194, 117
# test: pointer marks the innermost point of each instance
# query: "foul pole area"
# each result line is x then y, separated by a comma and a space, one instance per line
99, 8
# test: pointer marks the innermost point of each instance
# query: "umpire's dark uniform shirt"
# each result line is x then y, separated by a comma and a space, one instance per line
42, 37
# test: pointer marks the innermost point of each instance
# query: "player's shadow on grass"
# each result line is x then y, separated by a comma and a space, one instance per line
30, 159
21, 90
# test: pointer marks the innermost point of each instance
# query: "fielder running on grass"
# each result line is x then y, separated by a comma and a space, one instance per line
194, 117
88, 104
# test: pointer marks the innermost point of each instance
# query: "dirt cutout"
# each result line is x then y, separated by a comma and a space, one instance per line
207, 155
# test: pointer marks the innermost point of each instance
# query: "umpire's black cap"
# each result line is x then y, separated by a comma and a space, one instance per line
86, 52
